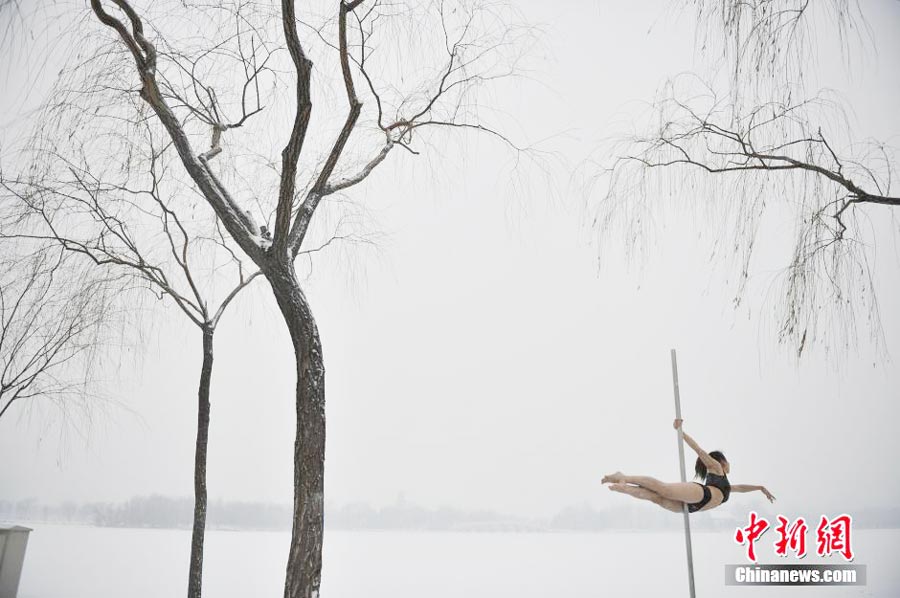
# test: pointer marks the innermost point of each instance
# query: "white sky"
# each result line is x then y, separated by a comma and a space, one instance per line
479, 358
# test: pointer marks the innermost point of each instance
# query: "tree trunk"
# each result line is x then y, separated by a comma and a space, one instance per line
304, 567
195, 575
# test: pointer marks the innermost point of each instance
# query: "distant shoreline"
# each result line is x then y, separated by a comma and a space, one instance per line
176, 513
486, 529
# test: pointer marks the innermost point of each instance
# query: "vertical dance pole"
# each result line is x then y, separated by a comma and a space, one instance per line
687, 522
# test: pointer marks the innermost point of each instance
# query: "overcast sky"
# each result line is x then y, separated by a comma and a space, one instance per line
479, 358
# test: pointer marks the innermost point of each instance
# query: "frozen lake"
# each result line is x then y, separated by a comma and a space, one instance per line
89, 562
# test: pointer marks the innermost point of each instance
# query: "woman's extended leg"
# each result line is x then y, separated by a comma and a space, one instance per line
688, 492
645, 494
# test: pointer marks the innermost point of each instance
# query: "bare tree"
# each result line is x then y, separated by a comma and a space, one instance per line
130, 223
418, 67
133, 225
53, 319
761, 148
763, 47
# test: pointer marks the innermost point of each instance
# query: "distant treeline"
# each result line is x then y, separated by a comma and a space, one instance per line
176, 513
171, 512
151, 511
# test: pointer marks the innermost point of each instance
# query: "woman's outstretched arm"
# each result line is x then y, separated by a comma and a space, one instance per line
752, 488
712, 465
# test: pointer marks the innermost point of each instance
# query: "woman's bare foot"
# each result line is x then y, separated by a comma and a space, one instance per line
613, 478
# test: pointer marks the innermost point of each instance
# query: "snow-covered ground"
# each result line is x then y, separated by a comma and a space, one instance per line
89, 562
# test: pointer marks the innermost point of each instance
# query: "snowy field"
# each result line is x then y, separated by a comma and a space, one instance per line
88, 562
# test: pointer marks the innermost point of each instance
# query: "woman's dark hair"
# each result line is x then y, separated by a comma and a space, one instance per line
700, 466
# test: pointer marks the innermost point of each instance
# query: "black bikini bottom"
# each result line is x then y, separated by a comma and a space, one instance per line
696, 506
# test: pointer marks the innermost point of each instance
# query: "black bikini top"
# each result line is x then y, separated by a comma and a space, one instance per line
721, 482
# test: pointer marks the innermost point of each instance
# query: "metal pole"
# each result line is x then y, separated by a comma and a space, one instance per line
687, 522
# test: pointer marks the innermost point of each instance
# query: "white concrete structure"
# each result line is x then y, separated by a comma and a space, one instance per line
13, 541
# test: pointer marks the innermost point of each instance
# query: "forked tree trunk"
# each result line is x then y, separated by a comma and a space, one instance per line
195, 574
304, 566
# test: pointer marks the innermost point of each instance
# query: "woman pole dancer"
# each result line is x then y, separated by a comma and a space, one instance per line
712, 468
